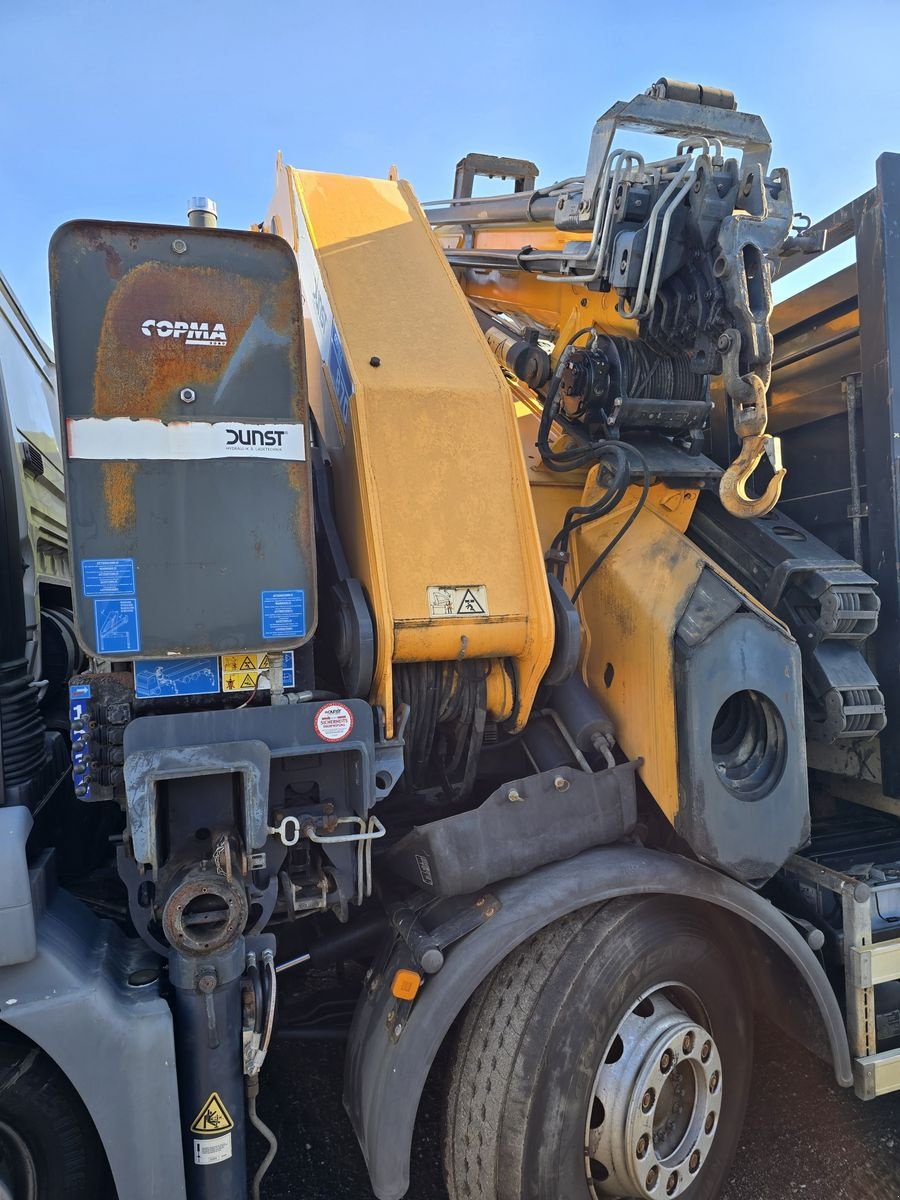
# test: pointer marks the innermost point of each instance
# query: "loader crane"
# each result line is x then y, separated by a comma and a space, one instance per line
498, 599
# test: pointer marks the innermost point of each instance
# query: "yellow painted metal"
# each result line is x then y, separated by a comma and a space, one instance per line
630, 610
561, 307
430, 481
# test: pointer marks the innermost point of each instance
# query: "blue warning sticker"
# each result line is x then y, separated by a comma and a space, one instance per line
284, 614
176, 677
117, 626
107, 577
340, 373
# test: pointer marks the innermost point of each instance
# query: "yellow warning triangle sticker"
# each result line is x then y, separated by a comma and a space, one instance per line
247, 664
213, 1117
248, 681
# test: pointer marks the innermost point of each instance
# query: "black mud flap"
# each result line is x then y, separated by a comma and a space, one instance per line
523, 825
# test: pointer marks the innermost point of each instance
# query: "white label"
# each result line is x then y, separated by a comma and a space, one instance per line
195, 333
464, 601
109, 438
333, 722
208, 1151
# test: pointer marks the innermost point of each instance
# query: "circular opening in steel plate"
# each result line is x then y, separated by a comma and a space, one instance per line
749, 745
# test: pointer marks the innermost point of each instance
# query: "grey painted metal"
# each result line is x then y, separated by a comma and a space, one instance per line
747, 834
386, 1072
18, 943
145, 768
124, 297
112, 1041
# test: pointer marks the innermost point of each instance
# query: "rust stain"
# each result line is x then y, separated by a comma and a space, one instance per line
111, 255
137, 375
296, 475
118, 494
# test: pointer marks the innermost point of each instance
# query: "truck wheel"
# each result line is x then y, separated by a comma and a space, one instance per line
608, 1056
49, 1149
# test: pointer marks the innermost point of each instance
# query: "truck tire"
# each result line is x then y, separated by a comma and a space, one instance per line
49, 1148
610, 1055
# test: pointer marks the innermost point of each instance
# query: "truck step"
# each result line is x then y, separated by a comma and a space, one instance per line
867, 964
876, 1074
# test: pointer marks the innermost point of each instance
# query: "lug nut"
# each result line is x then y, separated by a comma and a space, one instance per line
665, 1063
705, 1051
714, 1082
643, 1145
694, 1161
672, 1183
709, 1122
652, 1177
688, 1044
649, 1100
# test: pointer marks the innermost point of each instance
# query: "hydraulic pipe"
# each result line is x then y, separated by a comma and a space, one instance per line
515, 209
209, 1056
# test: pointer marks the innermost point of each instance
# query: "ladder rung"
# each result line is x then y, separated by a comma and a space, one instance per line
877, 1074
875, 964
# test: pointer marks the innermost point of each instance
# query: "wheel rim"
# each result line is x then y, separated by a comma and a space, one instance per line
654, 1108
18, 1173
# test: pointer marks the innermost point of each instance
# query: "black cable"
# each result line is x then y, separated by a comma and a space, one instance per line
565, 460
582, 514
632, 517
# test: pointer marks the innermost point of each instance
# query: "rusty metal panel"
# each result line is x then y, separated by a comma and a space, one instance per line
183, 403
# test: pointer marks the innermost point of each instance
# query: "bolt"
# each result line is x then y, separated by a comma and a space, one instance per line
398, 1031
649, 1100
688, 1044
672, 1184
694, 1161
665, 1063
561, 784
179, 246
710, 1121
207, 980
705, 1051
584, 302
374, 361
188, 395
513, 796
724, 342
652, 1177
643, 1145
714, 1081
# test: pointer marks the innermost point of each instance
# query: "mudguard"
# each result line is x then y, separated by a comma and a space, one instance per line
392, 1045
111, 1040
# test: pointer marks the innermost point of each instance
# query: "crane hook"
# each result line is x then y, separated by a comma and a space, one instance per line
733, 484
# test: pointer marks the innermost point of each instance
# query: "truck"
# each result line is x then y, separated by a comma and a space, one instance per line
494, 603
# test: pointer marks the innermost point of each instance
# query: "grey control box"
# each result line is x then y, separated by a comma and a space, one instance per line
186, 442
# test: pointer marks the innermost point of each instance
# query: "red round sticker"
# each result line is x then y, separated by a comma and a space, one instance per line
333, 722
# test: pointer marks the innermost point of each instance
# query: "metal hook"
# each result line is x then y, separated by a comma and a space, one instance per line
733, 484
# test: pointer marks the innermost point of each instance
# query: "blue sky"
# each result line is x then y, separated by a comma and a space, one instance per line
124, 110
